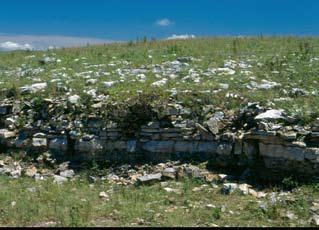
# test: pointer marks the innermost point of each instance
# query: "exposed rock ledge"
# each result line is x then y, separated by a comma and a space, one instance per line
264, 143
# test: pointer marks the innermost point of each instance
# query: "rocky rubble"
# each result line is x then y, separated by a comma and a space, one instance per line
46, 168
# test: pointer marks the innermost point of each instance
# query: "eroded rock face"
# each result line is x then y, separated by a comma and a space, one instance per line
159, 146
222, 137
59, 144
280, 151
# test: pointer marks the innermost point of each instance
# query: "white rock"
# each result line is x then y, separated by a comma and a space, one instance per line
225, 71
91, 92
177, 191
103, 195
74, 99
33, 88
39, 142
223, 86
264, 84
109, 84
272, 114
159, 83
67, 173
210, 206
59, 179
244, 188
315, 219
91, 81
4, 133
229, 188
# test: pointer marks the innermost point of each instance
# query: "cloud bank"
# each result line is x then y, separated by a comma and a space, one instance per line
40, 42
164, 22
9, 46
181, 36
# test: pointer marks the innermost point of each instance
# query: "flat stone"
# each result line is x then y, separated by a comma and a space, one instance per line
149, 178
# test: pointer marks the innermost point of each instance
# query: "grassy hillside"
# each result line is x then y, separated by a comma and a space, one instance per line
280, 72
227, 73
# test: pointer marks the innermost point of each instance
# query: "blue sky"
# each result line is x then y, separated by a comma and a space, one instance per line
123, 20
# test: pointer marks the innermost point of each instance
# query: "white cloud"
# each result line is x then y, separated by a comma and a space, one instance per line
39, 42
164, 22
8, 46
181, 36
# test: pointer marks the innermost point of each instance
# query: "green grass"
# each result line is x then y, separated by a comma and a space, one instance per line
292, 57
76, 203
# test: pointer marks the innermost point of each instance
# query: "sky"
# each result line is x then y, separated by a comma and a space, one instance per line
43, 23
